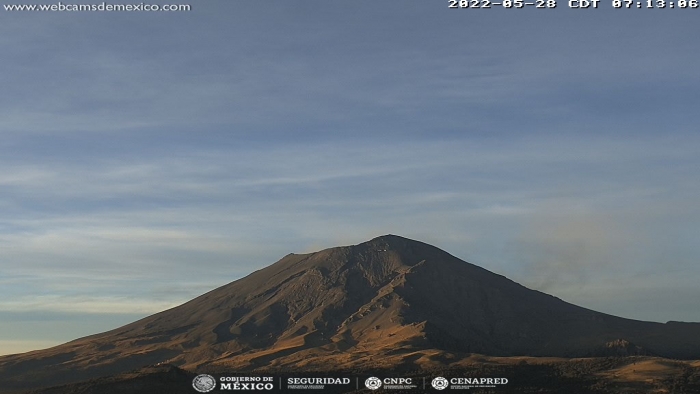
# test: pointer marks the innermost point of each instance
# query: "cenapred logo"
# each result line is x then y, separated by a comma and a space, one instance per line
373, 383
204, 383
440, 383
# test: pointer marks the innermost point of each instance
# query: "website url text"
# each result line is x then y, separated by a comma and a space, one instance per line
61, 7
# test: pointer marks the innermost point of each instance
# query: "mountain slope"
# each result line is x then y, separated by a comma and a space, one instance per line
400, 299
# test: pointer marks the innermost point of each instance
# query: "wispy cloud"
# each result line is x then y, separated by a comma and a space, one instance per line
85, 304
156, 216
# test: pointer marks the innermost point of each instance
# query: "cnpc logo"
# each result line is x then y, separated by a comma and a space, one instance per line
375, 383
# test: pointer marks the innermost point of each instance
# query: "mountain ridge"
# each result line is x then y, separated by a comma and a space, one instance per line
391, 298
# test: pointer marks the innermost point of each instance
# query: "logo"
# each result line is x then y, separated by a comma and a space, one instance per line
204, 383
373, 383
317, 383
246, 383
398, 384
440, 383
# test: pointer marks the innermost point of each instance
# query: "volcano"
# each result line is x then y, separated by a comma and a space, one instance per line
387, 302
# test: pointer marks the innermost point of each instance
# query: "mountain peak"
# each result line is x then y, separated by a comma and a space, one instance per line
393, 240
407, 248
390, 237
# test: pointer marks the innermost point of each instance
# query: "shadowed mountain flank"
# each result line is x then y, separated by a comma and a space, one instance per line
387, 302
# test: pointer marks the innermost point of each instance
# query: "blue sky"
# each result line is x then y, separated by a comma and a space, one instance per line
146, 158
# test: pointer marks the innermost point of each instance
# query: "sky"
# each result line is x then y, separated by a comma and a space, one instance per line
149, 157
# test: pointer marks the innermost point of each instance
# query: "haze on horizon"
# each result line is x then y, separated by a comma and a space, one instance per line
149, 158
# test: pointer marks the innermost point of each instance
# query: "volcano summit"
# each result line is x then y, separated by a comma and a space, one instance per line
386, 303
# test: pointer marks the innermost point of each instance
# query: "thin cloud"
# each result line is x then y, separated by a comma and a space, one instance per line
84, 304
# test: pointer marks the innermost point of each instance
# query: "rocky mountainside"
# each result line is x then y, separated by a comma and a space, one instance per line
385, 302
